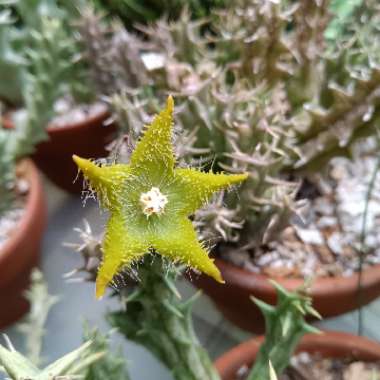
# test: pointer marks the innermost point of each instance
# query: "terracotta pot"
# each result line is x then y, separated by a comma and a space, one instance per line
21, 251
329, 345
332, 296
87, 139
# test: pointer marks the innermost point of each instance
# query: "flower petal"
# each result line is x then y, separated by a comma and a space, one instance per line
181, 244
120, 248
196, 187
105, 180
153, 155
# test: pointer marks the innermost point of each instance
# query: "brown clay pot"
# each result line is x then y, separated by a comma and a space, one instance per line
332, 296
87, 139
21, 251
329, 345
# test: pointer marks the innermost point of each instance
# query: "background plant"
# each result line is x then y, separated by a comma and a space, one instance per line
265, 93
46, 68
132, 11
92, 361
44, 57
21, 21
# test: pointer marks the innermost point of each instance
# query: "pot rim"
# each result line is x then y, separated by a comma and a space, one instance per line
329, 344
259, 282
89, 120
51, 130
33, 199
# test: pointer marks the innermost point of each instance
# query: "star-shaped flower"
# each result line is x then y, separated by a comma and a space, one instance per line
150, 201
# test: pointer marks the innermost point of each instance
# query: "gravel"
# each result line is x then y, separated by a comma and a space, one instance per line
329, 243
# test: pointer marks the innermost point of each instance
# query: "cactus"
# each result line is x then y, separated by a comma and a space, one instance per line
113, 57
11, 62
19, 22
111, 365
156, 317
153, 314
33, 327
41, 89
342, 10
284, 327
18, 367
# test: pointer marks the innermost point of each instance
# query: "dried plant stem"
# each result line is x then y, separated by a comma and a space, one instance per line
362, 252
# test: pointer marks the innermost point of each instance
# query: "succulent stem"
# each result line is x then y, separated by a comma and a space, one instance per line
285, 326
158, 319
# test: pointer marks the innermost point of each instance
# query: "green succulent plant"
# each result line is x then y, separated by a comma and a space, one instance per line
153, 314
284, 327
45, 64
40, 91
19, 22
342, 11
11, 63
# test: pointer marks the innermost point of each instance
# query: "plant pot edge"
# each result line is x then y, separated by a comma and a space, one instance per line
21, 251
329, 344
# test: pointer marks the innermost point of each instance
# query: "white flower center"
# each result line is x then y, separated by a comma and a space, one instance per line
153, 202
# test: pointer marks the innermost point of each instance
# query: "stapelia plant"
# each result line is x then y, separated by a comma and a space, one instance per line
150, 201
153, 314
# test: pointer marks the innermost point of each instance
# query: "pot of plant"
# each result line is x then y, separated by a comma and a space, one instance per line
345, 351
89, 136
21, 233
233, 299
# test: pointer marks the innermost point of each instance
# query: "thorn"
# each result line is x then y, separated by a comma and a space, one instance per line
172, 287
8, 343
172, 309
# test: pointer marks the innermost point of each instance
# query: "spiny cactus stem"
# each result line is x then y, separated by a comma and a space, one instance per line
160, 321
285, 326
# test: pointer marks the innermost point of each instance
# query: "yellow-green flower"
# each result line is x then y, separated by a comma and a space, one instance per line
150, 201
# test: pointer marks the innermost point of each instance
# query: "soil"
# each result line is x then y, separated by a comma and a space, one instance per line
313, 367
10, 219
67, 112
328, 241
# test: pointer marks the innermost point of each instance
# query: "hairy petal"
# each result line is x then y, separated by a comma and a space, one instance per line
196, 187
120, 248
154, 153
105, 180
181, 244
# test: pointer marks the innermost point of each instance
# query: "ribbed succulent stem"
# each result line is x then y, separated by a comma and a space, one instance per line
157, 318
285, 326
